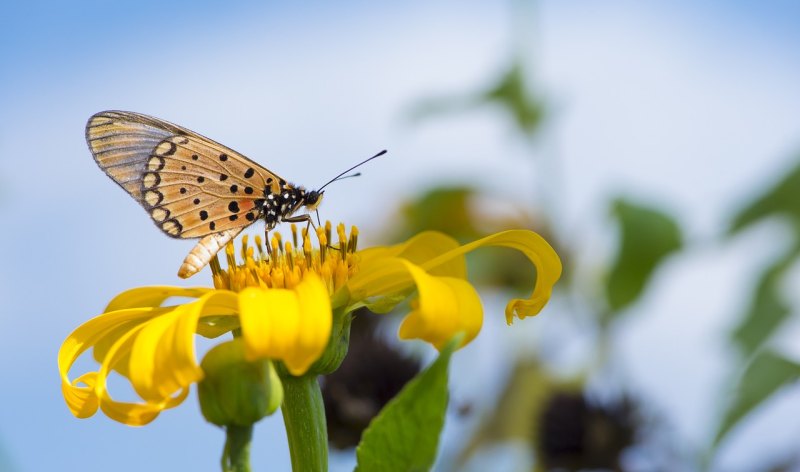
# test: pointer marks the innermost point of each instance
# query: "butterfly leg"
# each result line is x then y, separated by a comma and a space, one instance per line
300, 219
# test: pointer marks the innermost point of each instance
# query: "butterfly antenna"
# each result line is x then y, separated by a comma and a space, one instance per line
357, 174
348, 170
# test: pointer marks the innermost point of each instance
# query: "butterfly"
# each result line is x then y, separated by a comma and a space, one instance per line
192, 186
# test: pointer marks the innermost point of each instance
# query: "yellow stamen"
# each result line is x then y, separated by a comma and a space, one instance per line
342, 237
322, 237
229, 253
274, 253
307, 249
244, 247
288, 263
259, 241
327, 231
352, 246
289, 255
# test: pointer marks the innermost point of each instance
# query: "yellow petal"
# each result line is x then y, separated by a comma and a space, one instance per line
159, 365
133, 414
316, 321
290, 325
151, 296
161, 368
445, 307
417, 250
82, 400
535, 248
162, 359
375, 279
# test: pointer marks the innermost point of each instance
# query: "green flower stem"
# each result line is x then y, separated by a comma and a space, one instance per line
236, 457
304, 419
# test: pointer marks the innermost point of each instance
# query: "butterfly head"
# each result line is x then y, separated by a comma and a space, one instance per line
312, 199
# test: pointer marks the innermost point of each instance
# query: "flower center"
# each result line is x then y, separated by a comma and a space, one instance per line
283, 264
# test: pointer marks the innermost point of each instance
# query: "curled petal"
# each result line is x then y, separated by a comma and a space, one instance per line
162, 357
133, 414
445, 307
82, 400
379, 279
291, 325
535, 248
153, 346
380, 286
417, 250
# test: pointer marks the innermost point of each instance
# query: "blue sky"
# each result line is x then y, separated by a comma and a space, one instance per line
676, 103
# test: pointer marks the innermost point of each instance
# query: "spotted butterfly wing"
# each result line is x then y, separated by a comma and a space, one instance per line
190, 185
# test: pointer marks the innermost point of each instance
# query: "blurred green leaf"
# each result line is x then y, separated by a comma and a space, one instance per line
781, 199
510, 92
647, 236
767, 310
444, 209
405, 435
500, 267
767, 373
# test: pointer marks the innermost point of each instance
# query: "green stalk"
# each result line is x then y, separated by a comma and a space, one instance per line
236, 457
304, 419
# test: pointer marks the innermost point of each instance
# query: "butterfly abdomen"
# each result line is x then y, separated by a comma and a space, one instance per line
205, 249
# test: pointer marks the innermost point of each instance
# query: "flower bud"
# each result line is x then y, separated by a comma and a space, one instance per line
236, 391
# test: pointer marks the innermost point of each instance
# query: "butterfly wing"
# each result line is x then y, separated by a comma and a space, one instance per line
190, 185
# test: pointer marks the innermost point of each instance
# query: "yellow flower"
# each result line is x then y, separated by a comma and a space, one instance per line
283, 302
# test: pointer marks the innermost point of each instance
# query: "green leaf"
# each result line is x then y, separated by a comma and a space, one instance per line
767, 373
405, 434
647, 237
767, 310
445, 209
511, 91
781, 199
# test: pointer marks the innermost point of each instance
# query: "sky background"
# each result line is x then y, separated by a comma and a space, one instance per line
691, 107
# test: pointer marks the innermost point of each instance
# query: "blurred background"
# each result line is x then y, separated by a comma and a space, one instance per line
656, 145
